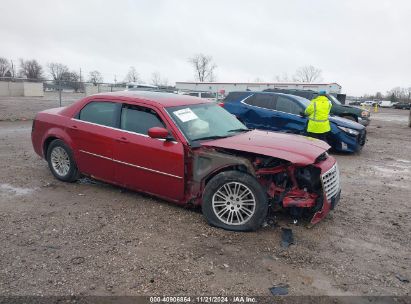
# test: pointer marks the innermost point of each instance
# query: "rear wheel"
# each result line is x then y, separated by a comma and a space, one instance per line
234, 201
61, 161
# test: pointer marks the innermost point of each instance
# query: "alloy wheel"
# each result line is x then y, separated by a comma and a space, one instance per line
234, 203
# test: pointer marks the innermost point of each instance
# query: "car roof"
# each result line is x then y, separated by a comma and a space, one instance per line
155, 98
267, 93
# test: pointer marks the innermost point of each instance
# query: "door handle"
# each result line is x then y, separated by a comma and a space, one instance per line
74, 127
122, 140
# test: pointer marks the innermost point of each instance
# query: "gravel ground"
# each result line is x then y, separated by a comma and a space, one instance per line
90, 238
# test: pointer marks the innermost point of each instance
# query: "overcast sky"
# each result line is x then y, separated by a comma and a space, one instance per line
365, 46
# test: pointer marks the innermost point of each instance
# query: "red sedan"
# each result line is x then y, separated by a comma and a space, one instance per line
189, 151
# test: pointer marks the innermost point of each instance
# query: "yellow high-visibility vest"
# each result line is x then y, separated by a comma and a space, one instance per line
318, 112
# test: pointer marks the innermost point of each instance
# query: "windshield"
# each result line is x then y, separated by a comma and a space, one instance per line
333, 99
205, 121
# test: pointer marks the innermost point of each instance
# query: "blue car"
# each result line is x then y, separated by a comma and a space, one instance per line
282, 112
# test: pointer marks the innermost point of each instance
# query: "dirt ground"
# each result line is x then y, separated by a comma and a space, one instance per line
90, 238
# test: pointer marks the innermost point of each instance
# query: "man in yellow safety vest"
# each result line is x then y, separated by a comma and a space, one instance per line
318, 111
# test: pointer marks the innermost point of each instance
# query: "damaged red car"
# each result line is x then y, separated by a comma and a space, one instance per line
191, 152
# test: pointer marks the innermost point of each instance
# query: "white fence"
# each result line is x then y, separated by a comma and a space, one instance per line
31, 89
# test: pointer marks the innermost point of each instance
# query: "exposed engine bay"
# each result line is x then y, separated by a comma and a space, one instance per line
298, 189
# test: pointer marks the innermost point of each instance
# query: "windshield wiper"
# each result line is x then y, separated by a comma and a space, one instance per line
211, 137
239, 130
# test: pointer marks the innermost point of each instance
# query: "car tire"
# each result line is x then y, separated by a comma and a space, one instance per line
61, 161
235, 201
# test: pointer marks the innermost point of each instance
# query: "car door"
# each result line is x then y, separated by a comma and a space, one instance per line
91, 132
287, 116
258, 114
147, 164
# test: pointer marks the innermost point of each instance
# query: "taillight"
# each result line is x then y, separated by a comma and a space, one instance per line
221, 104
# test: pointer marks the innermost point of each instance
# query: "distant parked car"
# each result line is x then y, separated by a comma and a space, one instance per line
281, 112
369, 103
204, 95
191, 152
356, 114
402, 105
386, 104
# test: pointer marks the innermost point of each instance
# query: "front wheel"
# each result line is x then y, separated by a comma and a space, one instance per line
235, 201
61, 161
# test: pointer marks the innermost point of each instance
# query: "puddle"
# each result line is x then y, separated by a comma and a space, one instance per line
11, 190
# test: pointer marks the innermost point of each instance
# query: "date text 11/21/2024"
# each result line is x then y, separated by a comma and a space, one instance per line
203, 299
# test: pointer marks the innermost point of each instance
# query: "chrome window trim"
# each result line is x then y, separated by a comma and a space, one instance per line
131, 165
243, 102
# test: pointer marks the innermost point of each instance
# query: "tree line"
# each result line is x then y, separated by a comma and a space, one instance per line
59, 72
394, 95
204, 69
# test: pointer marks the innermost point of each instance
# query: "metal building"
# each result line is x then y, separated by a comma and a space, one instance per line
227, 87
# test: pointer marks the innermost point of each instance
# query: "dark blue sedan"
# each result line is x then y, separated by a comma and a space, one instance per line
282, 112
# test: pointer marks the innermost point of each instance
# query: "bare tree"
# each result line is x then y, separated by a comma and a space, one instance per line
132, 75
4, 66
203, 67
401, 94
57, 70
307, 73
72, 79
30, 69
157, 80
95, 77
12, 71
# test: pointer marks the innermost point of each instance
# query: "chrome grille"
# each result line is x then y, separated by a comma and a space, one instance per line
331, 181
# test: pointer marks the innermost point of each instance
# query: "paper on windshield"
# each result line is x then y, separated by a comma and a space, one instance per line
185, 114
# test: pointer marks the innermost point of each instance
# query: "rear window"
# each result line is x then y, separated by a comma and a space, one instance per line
207, 95
99, 112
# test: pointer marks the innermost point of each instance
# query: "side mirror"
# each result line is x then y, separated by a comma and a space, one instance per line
158, 132
302, 114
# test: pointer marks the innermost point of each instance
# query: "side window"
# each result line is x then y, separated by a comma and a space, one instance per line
139, 119
99, 112
287, 105
266, 101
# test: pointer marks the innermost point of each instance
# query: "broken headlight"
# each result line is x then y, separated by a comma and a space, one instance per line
308, 178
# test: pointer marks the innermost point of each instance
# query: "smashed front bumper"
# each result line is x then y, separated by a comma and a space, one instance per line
330, 181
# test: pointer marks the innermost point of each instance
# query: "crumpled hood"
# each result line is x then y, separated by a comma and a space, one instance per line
297, 149
343, 122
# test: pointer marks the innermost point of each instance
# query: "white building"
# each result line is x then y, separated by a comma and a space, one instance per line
227, 87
